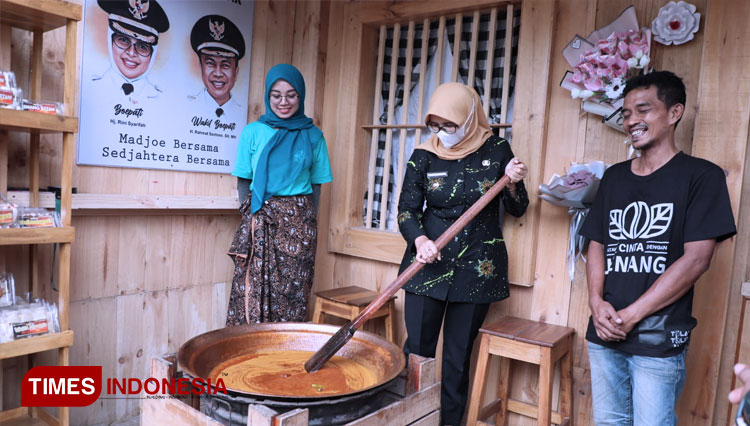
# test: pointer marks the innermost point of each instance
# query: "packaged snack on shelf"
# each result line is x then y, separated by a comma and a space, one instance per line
8, 213
7, 80
45, 107
28, 320
36, 217
10, 98
7, 289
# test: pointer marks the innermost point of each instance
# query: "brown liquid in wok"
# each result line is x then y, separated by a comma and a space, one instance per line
283, 373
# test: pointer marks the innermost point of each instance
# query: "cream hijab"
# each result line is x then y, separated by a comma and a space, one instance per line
454, 101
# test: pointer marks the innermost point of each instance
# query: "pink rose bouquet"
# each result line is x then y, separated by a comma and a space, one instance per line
604, 61
603, 70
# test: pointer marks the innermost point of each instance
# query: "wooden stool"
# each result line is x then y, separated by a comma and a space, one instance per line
349, 302
533, 342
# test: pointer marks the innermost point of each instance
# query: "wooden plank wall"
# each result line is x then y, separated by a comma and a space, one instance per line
570, 135
140, 287
144, 283
724, 59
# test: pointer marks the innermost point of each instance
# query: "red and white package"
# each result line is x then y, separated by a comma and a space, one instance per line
45, 107
7, 80
35, 217
8, 213
10, 98
28, 320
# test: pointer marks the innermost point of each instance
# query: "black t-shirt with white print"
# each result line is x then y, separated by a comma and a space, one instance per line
643, 223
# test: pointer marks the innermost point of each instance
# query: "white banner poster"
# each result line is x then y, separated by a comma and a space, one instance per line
164, 83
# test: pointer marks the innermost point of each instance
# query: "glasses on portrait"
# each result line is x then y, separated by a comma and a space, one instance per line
141, 47
448, 128
290, 97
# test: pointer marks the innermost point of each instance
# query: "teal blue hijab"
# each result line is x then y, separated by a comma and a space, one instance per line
290, 149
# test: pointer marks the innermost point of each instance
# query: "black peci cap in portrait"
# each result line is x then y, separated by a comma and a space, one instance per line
141, 19
217, 35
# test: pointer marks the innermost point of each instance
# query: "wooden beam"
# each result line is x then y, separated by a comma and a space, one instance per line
25, 236
375, 133
70, 94
295, 417
473, 49
35, 79
383, 12
439, 52
553, 288
305, 50
404, 114
530, 410
490, 65
36, 344
157, 412
422, 73
258, 68
353, 94
11, 119
63, 285
33, 15
509, 21
529, 129
374, 244
724, 59
4, 164
421, 374
384, 194
132, 202
15, 413
406, 411
458, 27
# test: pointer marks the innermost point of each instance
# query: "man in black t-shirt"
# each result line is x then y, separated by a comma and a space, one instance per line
653, 228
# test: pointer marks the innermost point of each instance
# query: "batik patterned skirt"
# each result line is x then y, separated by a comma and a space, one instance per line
279, 240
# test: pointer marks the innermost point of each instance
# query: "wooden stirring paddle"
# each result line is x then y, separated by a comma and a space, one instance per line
338, 340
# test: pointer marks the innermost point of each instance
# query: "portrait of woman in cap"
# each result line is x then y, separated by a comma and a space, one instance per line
133, 37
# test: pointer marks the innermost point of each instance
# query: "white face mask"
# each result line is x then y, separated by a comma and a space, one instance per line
449, 140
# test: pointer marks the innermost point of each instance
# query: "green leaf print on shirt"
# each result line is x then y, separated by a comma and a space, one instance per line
431, 283
494, 241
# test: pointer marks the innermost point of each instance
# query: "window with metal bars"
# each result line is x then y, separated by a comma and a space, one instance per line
421, 56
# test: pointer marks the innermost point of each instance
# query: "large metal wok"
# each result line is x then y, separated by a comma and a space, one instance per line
200, 355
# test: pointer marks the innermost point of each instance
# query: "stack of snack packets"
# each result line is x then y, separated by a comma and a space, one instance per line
10, 94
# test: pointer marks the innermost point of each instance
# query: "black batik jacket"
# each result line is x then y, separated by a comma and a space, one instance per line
474, 265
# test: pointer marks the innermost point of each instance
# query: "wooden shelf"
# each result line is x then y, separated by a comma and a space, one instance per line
21, 236
12, 119
34, 15
130, 204
32, 345
22, 416
26, 420
38, 17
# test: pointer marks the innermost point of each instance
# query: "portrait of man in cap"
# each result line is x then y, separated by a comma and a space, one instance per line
219, 46
132, 41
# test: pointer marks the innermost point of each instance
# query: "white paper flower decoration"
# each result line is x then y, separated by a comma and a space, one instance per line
676, 23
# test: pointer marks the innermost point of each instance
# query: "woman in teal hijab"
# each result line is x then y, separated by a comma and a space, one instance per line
282, 160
